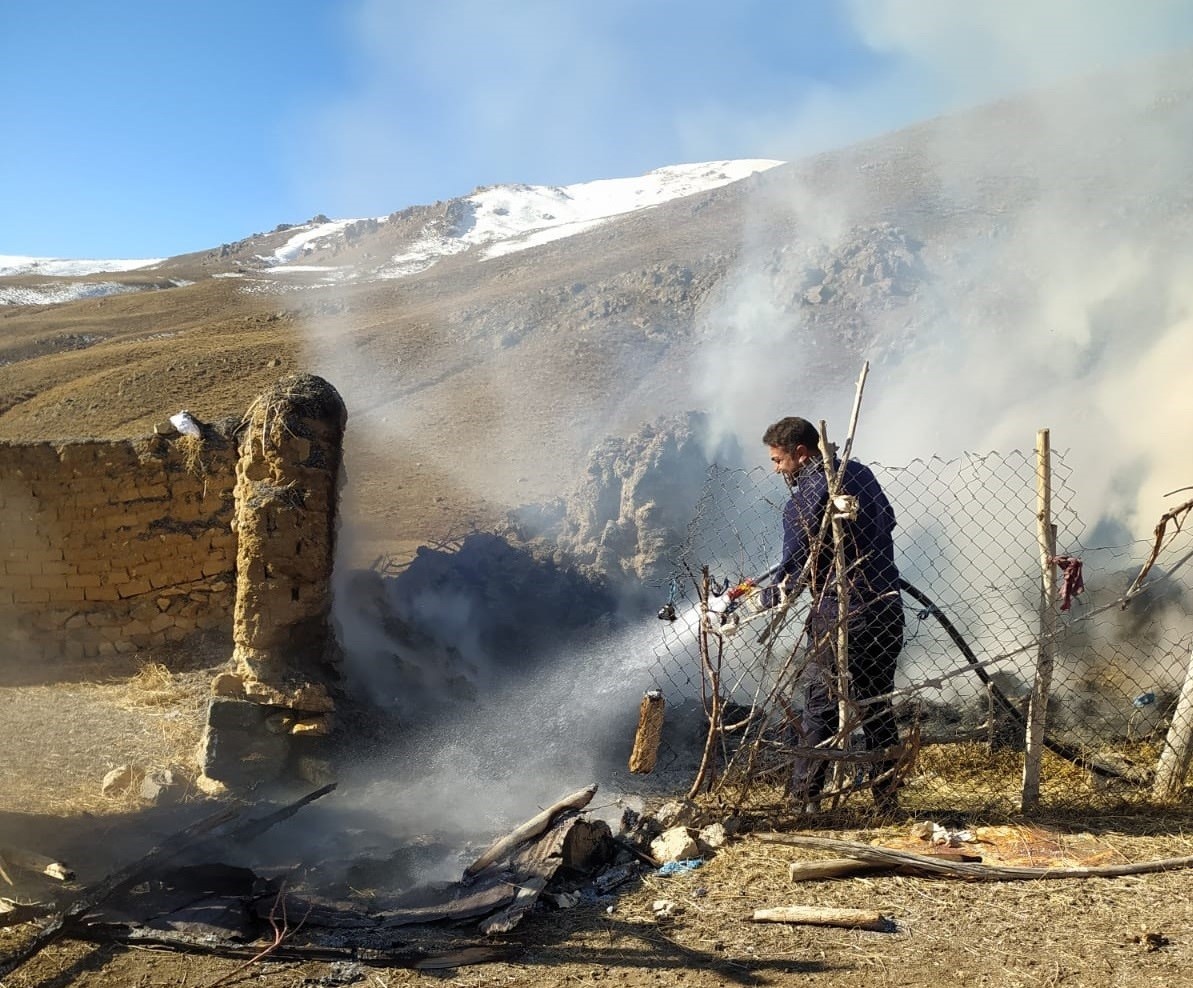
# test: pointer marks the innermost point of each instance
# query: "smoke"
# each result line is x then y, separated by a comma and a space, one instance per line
1049, 289
471, 768
1055, 276
977, 52
1031, 273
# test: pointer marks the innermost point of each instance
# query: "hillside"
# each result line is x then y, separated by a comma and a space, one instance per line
944, 253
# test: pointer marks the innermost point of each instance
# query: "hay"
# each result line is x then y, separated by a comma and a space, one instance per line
968, 778
151, 685
193, 448
61, 740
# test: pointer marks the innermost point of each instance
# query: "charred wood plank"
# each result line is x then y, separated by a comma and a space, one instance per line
504, 846
14, 912
67, 922
252, 829
535, 866
31, 861
409, 957
503, 893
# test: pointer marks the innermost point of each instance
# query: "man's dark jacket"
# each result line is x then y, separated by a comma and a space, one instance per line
869, 543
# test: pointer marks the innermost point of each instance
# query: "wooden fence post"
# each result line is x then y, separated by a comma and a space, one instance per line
835, 479
1178, 744
1037, 711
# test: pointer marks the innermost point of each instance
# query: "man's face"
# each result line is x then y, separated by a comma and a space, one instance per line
785, 463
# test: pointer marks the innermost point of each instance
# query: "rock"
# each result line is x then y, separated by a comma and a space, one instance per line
157, 785
310, 697
242, 756
210, 787
316, 771
120, 779
227, 684
237, 715
279, 723
923, 829
676, 844
677, 813
665, 908
318, 727
713, 837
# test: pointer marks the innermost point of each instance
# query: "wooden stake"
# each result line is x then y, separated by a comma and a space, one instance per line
844, 693
1037, 712
711, 684
649, 733
1178, 744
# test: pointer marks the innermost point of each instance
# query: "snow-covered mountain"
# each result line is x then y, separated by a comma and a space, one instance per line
495, 220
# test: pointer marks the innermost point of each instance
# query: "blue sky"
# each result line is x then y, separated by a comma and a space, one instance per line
137, 129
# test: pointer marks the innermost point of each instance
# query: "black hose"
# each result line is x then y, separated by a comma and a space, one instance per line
1065, 751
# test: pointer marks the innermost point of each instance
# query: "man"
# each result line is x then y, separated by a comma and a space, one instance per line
875, 609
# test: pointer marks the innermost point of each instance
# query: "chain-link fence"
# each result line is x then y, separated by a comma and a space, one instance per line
967, 546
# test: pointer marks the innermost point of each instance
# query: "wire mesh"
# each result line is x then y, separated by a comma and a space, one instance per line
967, 546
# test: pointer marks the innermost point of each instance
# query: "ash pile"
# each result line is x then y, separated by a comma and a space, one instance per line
195, 892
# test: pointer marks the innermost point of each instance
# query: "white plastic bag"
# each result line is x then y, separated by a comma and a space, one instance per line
185, 424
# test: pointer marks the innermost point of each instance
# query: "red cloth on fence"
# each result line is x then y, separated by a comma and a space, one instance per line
1073, 583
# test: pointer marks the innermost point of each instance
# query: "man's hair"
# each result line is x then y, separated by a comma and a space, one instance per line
791, 432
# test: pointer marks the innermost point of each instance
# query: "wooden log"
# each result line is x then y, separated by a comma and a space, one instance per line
536, 825
828, 868
649, 733
910, 863
812, 871
953, 854
850, 919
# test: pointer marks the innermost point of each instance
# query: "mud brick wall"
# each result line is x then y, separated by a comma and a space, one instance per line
113, 547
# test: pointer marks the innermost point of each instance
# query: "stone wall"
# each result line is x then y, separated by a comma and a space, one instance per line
114, 547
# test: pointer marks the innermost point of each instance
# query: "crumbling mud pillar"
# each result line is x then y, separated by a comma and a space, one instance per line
284, 654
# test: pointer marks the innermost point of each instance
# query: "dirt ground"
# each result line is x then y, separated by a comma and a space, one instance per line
212, 350
59, 741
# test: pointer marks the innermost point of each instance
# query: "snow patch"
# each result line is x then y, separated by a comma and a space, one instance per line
17, 264
503, 219
306, 241
56, 294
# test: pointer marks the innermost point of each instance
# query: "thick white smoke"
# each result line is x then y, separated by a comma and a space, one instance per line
1053, 294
